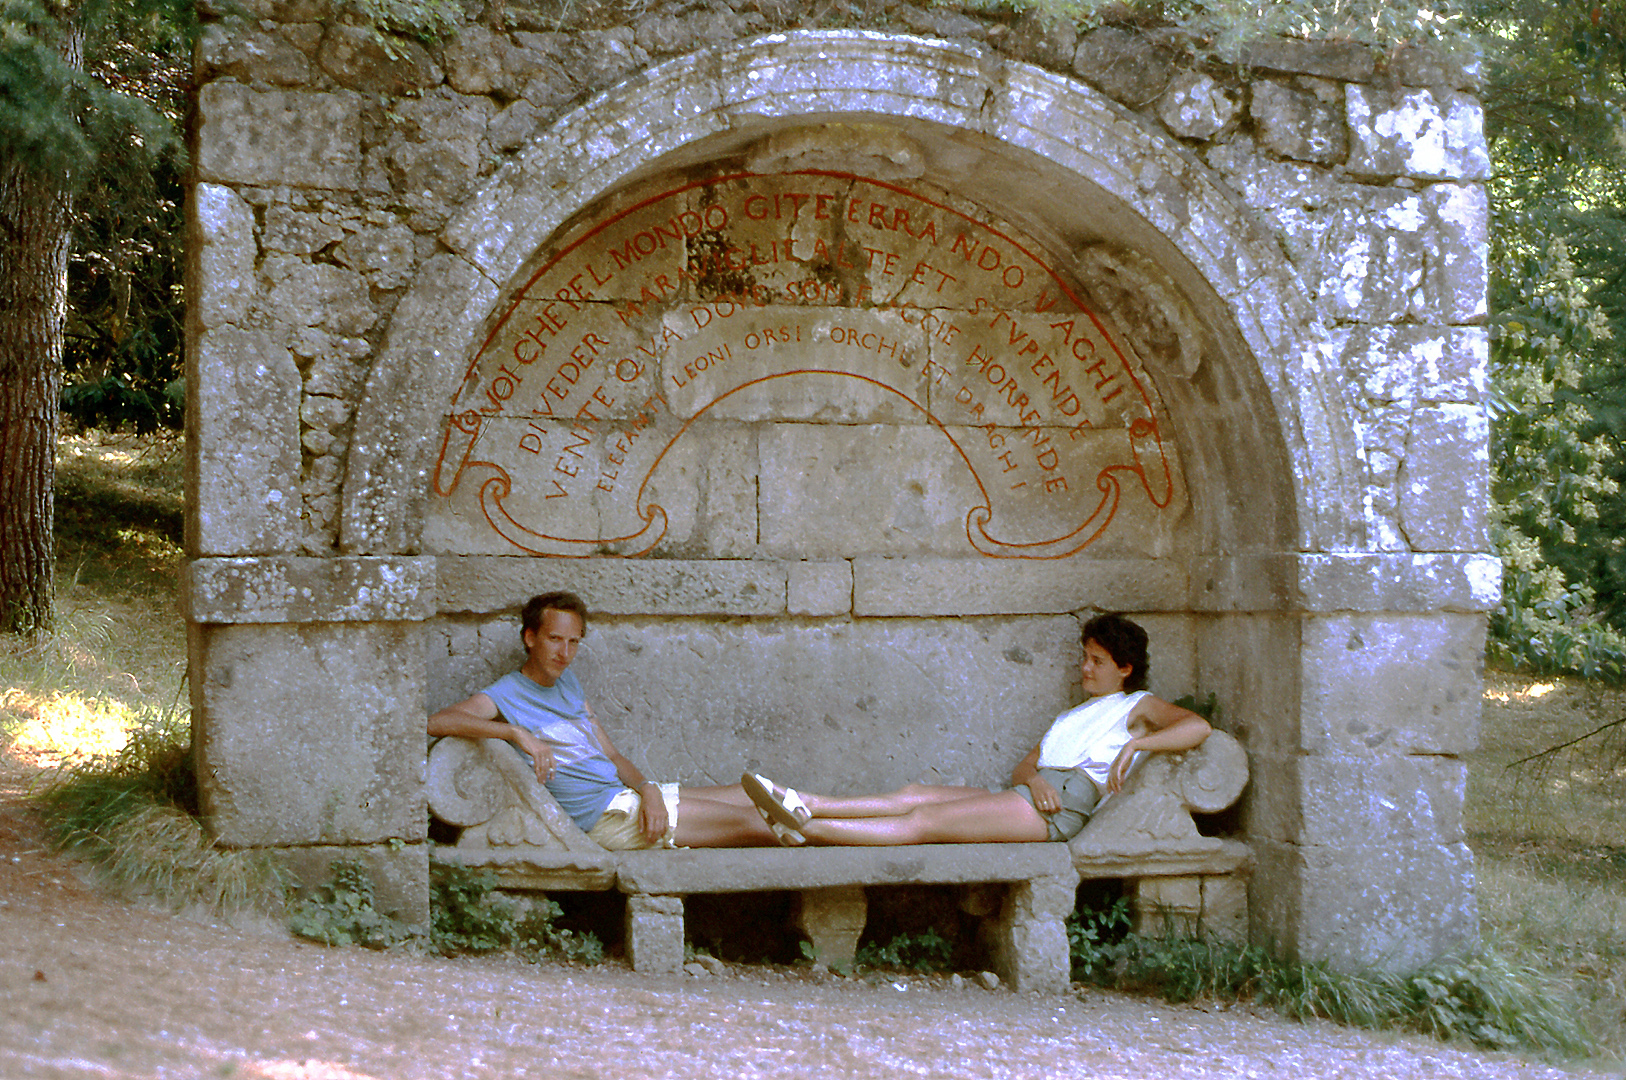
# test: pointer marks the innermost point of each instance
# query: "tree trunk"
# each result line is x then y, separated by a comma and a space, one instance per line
34, 240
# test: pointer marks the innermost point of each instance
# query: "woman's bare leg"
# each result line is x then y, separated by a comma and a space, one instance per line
888, 804
982, 818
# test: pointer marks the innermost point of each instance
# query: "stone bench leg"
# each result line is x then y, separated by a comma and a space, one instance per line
833, 920
1030, 937
654, 934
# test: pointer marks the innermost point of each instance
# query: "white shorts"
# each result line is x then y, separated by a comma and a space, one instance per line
617, 829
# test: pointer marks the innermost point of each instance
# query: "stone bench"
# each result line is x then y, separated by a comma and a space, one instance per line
1023, 892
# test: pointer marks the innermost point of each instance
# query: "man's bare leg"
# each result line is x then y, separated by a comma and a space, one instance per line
719, 817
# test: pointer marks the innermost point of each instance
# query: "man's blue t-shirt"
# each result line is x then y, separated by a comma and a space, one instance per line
584, 779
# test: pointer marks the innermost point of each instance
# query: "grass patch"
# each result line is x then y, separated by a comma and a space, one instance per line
120, 514
1550, 842
131, 815
1484, 999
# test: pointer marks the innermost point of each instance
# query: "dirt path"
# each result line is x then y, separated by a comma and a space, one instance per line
92, 988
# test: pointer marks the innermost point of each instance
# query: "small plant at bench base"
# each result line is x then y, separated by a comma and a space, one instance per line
342, 913
925, 951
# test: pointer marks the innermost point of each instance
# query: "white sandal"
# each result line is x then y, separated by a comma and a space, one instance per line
778, 806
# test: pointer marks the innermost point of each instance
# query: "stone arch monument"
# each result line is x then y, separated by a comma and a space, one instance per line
841, 372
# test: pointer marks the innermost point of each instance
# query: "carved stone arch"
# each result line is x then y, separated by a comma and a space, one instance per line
1152, 236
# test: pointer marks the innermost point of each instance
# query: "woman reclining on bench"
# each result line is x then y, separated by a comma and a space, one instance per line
1085, 756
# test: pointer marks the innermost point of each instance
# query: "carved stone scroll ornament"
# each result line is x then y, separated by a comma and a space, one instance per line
488, 789
1151, 816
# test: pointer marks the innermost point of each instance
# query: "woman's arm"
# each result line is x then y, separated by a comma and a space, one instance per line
1045, 796
1171, 728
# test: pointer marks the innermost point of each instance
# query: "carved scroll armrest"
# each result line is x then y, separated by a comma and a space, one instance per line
1152, 813
488, 789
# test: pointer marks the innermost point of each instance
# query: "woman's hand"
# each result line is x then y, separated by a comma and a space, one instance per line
1120, 767
1046, 799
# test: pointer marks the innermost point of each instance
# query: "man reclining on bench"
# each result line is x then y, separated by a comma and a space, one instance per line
1084, 757
540, 709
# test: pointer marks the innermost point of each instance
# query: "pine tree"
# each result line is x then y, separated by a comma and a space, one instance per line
51, 114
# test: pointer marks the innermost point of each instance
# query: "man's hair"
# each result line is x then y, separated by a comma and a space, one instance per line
530, 616
1124, 641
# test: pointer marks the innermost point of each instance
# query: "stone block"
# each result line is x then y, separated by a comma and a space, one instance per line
1345, 61
1347, 581
1299, 125
357, 59
615, 586
980, 586
1348, 799
855, 489
819, 588
251, 55
1416, 133
301, 293
833, 919
399, 424
1167, 907
278, 137
721, 870
1423, 65
243, 392
1225, 909
399, 873
1407, 684
1030, 935
1261, 700
1126, 65
1195, 106
298, 590
1393, 907
1460, 221
1444, 480
223, 250
952, 701
310, 734
1375, 254
654, 934
1404, 364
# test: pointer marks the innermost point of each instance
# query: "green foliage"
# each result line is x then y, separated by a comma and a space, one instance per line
925, 951
1550, 478
428, 21
132, 816
466, 917
1092, 935
1556, 121
342, 913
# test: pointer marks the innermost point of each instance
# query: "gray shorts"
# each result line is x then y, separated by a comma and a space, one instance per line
1079, 796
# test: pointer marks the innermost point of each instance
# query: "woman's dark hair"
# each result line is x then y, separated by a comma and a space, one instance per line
1124, 641
530, 616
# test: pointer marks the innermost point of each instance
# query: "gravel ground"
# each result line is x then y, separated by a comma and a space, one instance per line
95, 988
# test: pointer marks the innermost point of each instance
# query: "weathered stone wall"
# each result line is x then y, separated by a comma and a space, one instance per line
841, 372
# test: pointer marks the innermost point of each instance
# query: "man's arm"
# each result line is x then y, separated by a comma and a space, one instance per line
652, 820
1172, 728
478, 718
